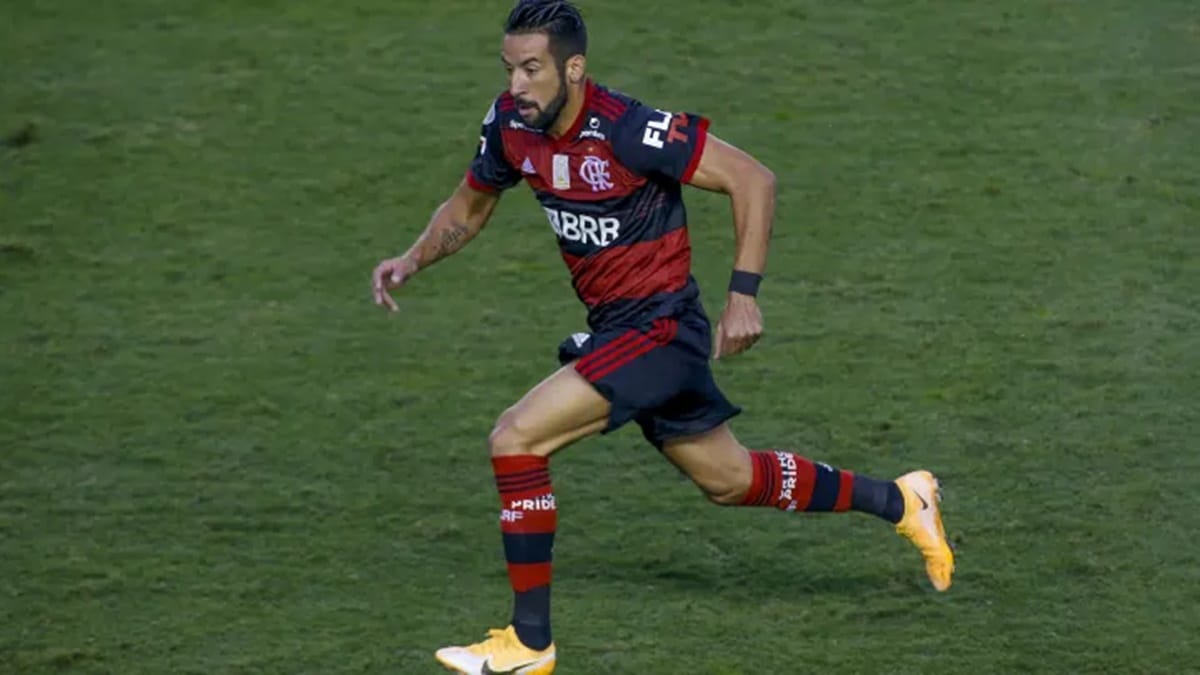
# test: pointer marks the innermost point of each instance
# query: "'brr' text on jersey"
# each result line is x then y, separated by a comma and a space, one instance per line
583, 228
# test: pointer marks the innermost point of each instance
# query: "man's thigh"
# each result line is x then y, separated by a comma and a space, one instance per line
560, 410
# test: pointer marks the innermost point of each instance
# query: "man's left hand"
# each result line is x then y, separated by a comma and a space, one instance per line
740, 326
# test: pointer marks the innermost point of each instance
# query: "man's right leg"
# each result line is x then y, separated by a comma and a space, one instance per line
560, 410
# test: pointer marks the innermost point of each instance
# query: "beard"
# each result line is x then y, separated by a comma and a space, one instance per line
548, 116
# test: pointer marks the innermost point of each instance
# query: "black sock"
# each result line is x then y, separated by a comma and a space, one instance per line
531, 617
878, 497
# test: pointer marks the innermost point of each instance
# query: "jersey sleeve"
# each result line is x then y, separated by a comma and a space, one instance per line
658, 142
490, 170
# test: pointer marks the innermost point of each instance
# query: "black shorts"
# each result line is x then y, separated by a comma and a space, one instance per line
657, 374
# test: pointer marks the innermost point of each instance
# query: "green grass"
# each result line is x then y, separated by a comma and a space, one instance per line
217, 456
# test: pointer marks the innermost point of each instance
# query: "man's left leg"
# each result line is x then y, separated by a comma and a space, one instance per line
559, 411
731, 475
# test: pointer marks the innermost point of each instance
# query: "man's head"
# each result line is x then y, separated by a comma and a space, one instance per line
545, 50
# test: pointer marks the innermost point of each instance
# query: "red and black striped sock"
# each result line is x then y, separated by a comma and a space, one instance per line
528, 518
790, 482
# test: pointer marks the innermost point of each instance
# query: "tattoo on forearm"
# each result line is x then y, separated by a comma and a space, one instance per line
453, 238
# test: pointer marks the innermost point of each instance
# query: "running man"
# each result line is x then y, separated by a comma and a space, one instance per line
609, 171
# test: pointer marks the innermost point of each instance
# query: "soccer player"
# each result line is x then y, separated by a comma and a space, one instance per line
609, 171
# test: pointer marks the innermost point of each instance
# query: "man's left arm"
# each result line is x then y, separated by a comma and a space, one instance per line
751, 189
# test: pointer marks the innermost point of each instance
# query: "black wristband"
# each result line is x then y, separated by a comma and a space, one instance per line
745, 283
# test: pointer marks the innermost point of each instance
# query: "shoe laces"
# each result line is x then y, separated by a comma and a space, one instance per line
498, 639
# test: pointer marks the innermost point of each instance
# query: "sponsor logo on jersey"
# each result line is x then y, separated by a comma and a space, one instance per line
669, 124
592, 130
597, 231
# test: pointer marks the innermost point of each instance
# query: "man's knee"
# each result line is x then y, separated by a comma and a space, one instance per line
508, 437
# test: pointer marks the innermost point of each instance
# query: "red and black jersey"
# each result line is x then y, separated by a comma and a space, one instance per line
611, 188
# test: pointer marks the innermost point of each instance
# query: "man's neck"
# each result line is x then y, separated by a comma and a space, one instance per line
576, 94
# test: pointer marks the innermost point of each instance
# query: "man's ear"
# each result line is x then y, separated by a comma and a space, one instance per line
576, 68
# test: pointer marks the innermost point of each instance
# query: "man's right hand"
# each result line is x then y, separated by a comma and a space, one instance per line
389, 275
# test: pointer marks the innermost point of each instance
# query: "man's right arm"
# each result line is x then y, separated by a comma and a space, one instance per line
460, 217
453, 224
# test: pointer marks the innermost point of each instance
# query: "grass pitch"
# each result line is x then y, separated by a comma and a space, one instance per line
217, 456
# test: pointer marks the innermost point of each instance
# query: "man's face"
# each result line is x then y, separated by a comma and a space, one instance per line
534, 79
